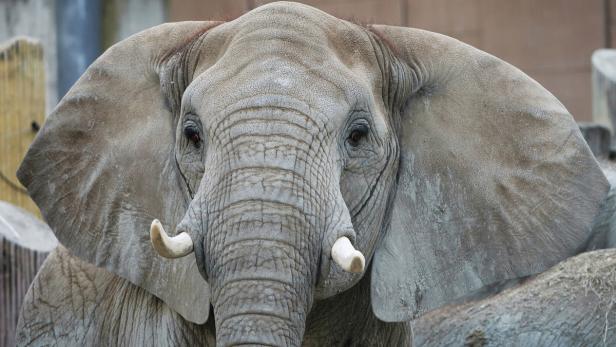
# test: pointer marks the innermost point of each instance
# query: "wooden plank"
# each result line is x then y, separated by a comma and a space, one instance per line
22, 109
25, 242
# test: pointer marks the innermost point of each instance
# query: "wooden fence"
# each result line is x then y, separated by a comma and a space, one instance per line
22, 111
24, 240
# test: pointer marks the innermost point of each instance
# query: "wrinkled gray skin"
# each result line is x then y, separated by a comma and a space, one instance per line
572, 304
603, 235
265, 139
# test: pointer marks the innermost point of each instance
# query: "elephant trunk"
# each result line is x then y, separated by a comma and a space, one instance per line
262, 283
268, 210
261, 311
262, 250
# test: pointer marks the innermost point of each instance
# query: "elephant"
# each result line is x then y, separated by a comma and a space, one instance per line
290, 178
572, 304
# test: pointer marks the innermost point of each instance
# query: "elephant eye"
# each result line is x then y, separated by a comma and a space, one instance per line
192, 134
357, 135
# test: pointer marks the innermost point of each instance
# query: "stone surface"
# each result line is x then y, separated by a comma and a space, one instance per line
572, 304
598, 138
604, 88
604, 225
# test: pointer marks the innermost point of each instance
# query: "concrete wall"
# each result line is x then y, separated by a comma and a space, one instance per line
35, 19
39, 19
122, 18
551, 40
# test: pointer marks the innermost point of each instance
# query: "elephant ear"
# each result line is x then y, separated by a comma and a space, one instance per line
102, 168
495, 179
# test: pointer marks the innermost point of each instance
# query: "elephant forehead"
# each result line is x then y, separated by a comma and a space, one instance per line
326, 91
302, 34
292, 50
304, 25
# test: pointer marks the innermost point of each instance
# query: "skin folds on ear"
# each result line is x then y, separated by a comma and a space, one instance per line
102, 168
495, 182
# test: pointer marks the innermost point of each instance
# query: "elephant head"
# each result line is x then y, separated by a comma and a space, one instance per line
294, 153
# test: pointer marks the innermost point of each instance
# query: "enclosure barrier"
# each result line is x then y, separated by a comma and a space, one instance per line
24, 240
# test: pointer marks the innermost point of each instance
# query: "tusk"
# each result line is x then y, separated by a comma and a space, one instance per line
345, 255
169, 247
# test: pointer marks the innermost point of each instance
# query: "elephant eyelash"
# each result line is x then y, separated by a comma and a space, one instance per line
192, 134
357, 134
355, 137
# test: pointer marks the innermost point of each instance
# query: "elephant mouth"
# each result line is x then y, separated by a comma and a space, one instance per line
342, 252
261, 291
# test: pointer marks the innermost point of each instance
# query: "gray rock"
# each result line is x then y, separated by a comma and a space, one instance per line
572, 304
604, 225
598, 138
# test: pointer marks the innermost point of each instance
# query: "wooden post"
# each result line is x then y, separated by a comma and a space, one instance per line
25, 242
22, 112
604, 90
